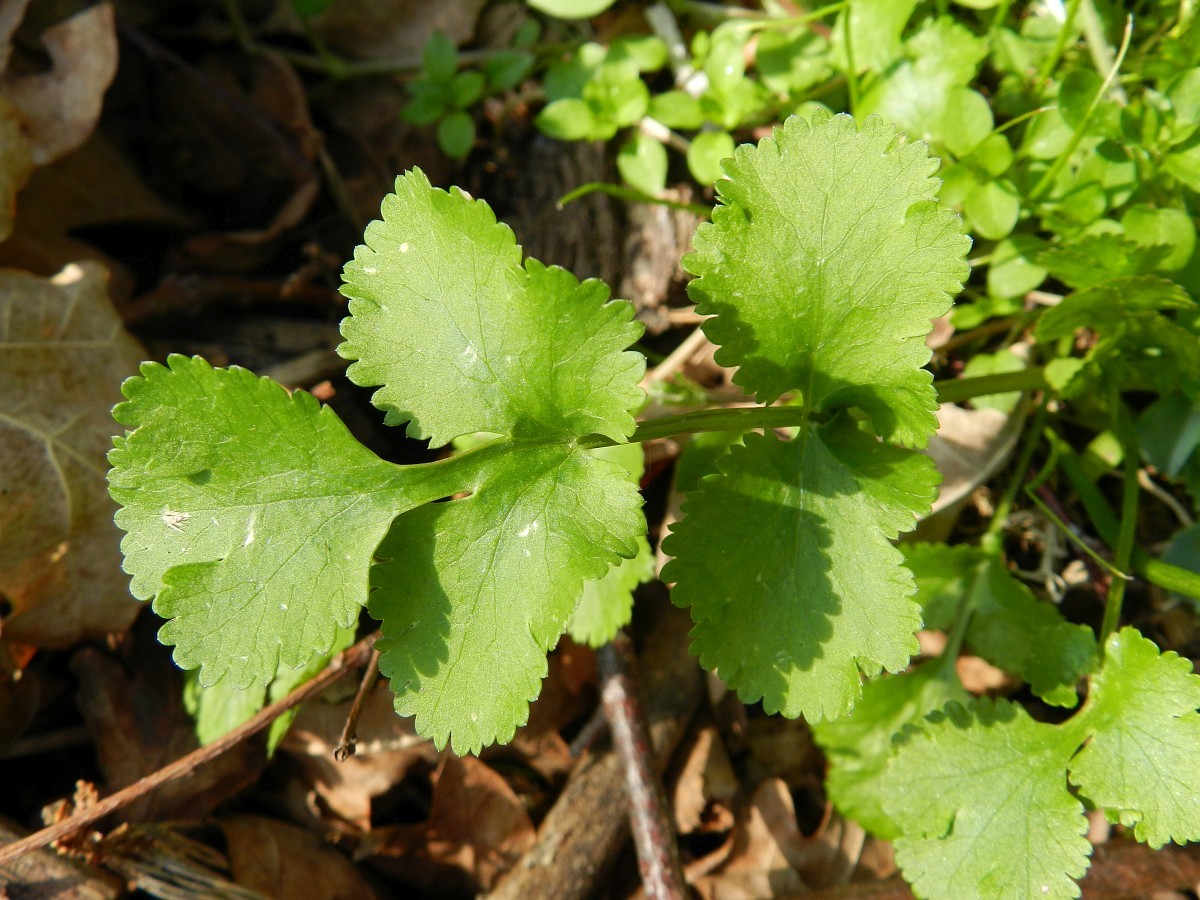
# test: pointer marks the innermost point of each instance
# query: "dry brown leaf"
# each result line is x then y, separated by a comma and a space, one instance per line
395, 29
766, 843
477, 830
387, 749
134, 711
970, 446
45, 115
281, 860
707, 775
60, 107
63, 356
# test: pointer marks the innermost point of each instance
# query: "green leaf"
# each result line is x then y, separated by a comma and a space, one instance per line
310, 9
474, 592
220, 708
1014, 272
1140, 348
858, 747
1010, 627
466, 88
642, 162
676, 109
251, 516
794, 619
456, 134
463, 338
993, 208
1169, 432
505, 68
1094, 259
1140, 763
705, 153
823, 265
607, 603
980, 794
440, 57
569, 119
875, 29
927, 93
571, 9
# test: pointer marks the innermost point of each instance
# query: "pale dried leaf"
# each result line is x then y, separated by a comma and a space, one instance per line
63, 356
970, 446
60, 107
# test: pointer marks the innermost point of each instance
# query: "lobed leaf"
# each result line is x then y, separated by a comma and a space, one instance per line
251, 516
1140, 764
1010, 627
462, 338
824, 263
858, 747
804, 588
980, 794
474, 592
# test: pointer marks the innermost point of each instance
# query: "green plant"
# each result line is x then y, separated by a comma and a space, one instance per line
256, 522
442, 94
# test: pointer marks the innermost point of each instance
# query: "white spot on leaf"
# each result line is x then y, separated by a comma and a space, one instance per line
175, 520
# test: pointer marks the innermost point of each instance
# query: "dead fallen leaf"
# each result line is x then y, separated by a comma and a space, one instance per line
395, 30
766, 842
707, 777
47, 114
282, 860
93, 185
969, 448
387, 749
134, 711
63, 356
477, 830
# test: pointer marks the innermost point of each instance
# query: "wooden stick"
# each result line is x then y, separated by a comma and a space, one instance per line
347, 661
586, 828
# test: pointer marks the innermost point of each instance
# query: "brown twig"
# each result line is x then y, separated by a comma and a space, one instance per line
348, 741
349, 660
583, 834
653, 836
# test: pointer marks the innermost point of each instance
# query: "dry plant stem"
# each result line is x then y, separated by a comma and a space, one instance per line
349, 739
349, 660
584, 831
653, 836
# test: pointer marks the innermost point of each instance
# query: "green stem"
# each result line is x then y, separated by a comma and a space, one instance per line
1127, 531
1061, 44
627, 193
851, 66
954, 390
751, 418
1047, 179
992, 540
1104, 520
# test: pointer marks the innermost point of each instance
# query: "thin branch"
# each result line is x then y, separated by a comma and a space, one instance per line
348, 742
349, 660
653, 835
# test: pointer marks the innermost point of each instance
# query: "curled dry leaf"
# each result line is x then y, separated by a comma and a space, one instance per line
281, 860
63, 356
45, 115
970, 447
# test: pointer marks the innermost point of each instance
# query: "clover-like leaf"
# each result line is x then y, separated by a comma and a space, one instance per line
793, 619
824, 263
462, 338
1140, 764
980, 795
251, 516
